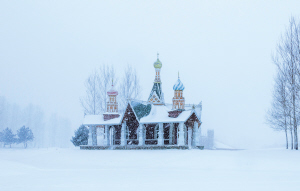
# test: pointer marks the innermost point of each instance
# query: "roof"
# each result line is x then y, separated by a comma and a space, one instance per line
112, 91
159, 114
178, 85
157, 64
156, 89
148, 113
99, 120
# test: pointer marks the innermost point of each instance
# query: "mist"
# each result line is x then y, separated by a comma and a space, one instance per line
222, 50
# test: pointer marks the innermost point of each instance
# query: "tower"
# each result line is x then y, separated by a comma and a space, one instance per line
178, 99
112, 104
156, 96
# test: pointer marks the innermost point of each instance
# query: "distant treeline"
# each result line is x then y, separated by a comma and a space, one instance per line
24, 135
53, 131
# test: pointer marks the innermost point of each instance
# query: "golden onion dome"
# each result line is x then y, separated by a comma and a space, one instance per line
157, 64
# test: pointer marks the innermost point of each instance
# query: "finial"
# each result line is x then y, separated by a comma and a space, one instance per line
157, 55
178, 74
112, 82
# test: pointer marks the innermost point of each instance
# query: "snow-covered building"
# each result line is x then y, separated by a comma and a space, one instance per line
151, 124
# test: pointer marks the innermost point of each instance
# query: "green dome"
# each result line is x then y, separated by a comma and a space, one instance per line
157, 64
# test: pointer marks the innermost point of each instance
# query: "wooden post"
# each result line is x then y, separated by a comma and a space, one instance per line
181, 135
196, 135
90, 141
106, 135
141, 135
171, 134
123, 138
189, 131
160, 134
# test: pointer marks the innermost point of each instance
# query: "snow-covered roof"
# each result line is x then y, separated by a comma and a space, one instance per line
148, 113
159, 114
99, 120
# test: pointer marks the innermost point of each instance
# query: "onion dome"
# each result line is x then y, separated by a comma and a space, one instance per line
178, 85
158, 63
112, 91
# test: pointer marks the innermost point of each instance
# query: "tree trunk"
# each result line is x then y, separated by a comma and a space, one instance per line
286, 139
295, 123
295, 137
292, 140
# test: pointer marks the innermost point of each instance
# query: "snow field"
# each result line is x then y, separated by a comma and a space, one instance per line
74, 169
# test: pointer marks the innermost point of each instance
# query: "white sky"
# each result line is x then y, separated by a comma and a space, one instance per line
222, 50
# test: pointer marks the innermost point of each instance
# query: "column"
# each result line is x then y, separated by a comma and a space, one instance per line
106, 140
180, 134
160, 141
111, 135
141, 135
171, 134
123, 129
90, 140
155, 132
195, 135
189, 129
100, 136
185, 129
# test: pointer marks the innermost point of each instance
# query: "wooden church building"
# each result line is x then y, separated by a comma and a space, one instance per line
150, 124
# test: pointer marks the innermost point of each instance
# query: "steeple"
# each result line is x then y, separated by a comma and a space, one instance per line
112, 104
178, 99
157, 65
156, 95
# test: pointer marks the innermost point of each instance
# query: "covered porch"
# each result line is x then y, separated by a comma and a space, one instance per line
133, 135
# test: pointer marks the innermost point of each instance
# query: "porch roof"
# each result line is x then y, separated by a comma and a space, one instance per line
159, 114
99, 120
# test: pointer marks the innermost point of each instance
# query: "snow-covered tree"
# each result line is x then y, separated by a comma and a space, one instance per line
8, 137
24, 135
81, 136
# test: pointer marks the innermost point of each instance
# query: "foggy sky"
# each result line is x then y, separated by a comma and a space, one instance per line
222, 50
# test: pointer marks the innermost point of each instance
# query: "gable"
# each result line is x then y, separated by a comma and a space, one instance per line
154, 98
129, 114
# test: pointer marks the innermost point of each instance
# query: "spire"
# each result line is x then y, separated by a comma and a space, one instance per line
156, 95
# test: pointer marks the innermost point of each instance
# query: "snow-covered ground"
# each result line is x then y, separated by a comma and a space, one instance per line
74, 169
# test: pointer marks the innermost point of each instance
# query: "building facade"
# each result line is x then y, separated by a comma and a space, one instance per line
151, 124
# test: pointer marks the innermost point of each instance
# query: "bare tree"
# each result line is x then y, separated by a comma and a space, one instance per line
97, 85
278, 115
288, 65
91, 100
130, 87
107, 76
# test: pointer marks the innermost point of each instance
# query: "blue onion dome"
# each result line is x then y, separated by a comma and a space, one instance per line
178, 85
157, 64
